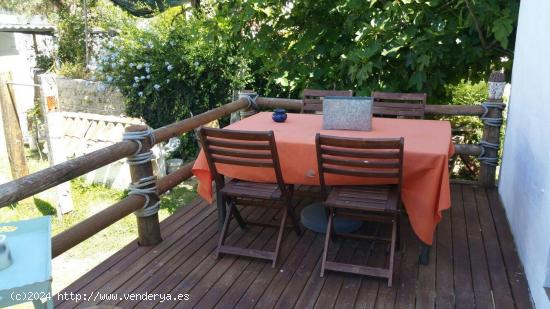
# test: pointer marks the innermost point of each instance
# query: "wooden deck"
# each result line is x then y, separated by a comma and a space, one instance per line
473, 265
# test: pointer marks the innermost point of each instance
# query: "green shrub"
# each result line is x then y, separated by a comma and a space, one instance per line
468, 129
176, 66
73, 70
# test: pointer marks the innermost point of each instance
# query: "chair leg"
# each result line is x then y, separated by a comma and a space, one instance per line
293, 218
224, 229
327, 240
398, 236
333, 236
220, 203
238, 217
280, 237
392, 251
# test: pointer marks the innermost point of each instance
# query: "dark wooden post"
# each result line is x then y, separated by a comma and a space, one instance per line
492, 123
12, 129
148, 226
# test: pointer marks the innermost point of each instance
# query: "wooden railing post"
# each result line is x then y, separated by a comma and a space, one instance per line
492, 123
252, 106
12, 128
144, 183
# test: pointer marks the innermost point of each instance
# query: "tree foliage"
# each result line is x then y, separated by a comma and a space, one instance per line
401, 45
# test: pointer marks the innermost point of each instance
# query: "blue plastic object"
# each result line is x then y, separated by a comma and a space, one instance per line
314, 218
31, 272
279, 115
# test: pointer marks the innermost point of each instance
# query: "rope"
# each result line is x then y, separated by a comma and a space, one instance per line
141, 188
251, 98
138, 157
148, 185
491, 121
483, 158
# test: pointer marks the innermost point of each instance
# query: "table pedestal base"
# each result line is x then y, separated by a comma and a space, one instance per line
314, 218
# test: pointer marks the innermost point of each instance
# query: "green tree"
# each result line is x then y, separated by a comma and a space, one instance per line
401, 45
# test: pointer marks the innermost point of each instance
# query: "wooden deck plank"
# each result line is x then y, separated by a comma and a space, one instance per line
198, 288
425, 294
218, 289
464, 292
333, 281
147, 264
190, 273
250, 296
385, 298
473, 255
478, 259
313, 287
117, 263
149, 280
497, 271
368, 293
516, 275
285, 272
251, 273
305, 270
406, 294
444, 264
352, 283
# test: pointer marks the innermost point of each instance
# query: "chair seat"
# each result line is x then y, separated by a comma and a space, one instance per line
246, 189
366, 198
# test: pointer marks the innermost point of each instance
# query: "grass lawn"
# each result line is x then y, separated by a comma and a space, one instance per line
88, 200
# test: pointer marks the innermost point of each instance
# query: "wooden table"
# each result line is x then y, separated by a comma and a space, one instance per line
428, 147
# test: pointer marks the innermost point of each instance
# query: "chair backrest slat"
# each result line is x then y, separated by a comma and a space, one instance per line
241, 154
371, 158
241, 148
238, 145
359, 163
313, 98
396, 104
234, 161
350, 172
348, 142
361, 154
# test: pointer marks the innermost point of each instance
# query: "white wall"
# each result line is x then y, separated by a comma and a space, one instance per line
17, 56
525, 174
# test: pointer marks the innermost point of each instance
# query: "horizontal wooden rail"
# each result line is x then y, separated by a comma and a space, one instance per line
99, 221
173, 179
454, 110
467, 149
30, 185
50, 177
92, 225
291, 104
440, 110
164, 133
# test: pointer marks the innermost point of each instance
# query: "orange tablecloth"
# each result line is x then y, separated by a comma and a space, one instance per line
428, 145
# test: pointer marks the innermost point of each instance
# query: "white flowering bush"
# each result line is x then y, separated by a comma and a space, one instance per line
172, 69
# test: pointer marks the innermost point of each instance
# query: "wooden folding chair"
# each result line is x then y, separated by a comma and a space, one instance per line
248, 149
399, 105
313, 99
371, 158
